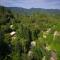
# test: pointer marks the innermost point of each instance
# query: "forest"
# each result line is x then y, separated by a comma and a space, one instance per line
29, 34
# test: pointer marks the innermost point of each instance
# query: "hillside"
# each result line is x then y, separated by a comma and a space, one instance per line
33, 9
29, 34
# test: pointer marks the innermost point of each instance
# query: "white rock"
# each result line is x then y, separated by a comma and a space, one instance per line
33, 44
11, 26
43, 58
12, 33
30, 53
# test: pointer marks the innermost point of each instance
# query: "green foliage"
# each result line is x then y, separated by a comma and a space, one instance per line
29, 26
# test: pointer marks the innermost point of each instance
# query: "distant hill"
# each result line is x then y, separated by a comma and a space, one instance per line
32, 10
19, 9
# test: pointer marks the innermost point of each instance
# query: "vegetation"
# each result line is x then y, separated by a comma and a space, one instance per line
37, 25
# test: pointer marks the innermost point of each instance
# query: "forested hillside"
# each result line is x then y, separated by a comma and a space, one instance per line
29, 34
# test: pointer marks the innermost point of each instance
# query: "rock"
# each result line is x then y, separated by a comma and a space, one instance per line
53, 55
52, 58
30, 53
12, 33
11, 26
43, 58
33, 44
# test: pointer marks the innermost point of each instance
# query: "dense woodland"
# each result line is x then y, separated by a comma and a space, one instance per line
29, 34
